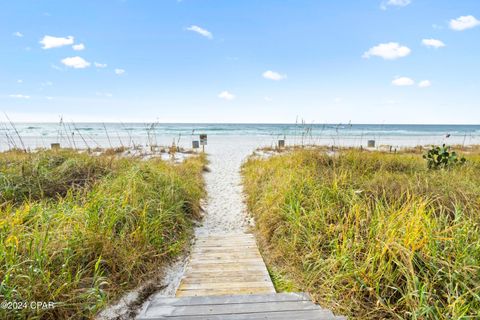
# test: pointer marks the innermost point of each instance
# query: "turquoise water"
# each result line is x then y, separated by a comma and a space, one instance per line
53, 129
41, 134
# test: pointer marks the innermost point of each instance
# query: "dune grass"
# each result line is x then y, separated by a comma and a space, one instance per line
371, 235
80, 230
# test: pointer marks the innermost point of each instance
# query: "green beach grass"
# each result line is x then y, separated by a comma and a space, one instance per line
371, 235
81, 230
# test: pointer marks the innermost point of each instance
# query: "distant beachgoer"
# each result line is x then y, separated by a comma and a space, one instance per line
448, 135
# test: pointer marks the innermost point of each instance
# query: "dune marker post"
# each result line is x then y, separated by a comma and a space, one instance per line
203, 141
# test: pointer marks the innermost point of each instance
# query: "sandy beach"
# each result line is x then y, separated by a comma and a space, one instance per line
244, 143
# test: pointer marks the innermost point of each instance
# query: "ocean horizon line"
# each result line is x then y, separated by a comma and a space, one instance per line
242, 123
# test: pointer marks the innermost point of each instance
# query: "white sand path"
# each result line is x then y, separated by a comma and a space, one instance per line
224, 209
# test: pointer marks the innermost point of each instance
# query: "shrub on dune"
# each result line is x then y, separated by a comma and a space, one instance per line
372, 235
95, 237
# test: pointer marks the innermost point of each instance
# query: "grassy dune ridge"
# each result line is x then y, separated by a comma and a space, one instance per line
372, 235
80, 230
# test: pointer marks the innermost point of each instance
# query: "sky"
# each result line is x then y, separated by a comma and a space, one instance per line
241, 61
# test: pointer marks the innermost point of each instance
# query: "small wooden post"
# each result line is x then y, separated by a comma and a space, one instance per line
203, 141
371, 143
55, 146
281, 143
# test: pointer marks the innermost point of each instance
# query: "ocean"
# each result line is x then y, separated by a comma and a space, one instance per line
89, 135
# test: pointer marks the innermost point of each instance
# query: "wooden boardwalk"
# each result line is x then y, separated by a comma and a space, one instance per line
226, 279
225, 264
279, 306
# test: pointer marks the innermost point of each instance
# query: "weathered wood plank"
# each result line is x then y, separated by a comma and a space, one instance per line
209, 244
232, 299
231, 279
227, 261
228, 258
219, 309
282, 315
228, 242
218, 246
227, 253
220, 265
233, 238
224, 285
242, 237
220, 250
220, 292
229, 235
218, 268
239, 238
224, 273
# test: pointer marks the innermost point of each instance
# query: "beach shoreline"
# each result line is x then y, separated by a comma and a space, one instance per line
114, 135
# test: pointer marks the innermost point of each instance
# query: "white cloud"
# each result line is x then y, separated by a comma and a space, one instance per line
464, 23
267, 98
403, 82
388, 51
76, 62
119, 71
49, 42
424, 84
396, 3
18, 34
337, 100
272, 75
201, 31
225, 95
19, 96
100, 65
19, 81
78, 47
49, 98
433, 43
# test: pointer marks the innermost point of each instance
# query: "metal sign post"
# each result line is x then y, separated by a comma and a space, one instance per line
203, 141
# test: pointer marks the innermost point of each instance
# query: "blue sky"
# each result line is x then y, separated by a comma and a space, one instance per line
368, 61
